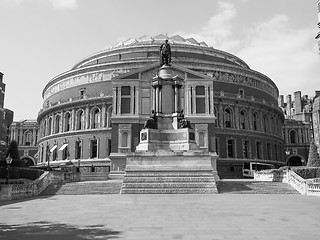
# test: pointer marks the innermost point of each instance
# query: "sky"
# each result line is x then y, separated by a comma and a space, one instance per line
40, 39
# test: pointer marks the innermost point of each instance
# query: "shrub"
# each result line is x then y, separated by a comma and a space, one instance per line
307, 172
313, 158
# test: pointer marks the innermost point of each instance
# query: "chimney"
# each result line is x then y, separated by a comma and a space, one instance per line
289, 103
317, 93
297, 101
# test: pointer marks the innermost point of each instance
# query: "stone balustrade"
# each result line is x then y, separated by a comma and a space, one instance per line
17, 191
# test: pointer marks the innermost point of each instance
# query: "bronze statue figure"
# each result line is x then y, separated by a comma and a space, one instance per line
165, 53
183, 122
151, 122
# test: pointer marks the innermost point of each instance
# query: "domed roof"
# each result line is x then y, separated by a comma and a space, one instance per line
176, 39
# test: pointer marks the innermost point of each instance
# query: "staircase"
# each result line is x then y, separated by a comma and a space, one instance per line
169, 182
248, 186
83, 188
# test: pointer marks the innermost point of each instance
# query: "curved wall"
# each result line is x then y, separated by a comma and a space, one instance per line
245, 104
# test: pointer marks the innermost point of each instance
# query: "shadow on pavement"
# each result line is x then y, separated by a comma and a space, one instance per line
53, 231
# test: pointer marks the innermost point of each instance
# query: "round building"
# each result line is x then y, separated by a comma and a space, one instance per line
93, 113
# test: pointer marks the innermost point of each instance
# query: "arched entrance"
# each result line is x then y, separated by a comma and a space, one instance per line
295, 161
28, 161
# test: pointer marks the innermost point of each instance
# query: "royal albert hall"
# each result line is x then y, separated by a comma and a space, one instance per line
93, 113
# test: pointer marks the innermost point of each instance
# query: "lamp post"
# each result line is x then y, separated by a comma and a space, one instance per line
9, 161
287, 154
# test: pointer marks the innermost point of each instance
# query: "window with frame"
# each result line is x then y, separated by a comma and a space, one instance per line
246, 151
258, 150
265, 123
50, 126
201, 139
96, 118
94, 148
57, 124
125, 99
124, 139
269, 151
242, 119
255, 121
67, 122
293, 135
65, 153
228, 118
28, 138
80, 120
78, 149
200, 99
230, 148
55, 154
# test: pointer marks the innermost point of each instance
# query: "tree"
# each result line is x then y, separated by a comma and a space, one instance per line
313, 158
13, 151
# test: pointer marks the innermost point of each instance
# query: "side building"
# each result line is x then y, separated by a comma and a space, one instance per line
298, 128
6, 118
95, 111
26, 133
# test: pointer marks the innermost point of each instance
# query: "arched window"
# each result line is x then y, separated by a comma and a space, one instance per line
228, 116
124, 142
80, 120
44, 128
265, 123
67, 122
95, 118
255, 121
57, 124
243, 116
293, 135
50, 126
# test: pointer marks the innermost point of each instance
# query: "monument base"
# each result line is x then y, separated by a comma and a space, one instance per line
163, 172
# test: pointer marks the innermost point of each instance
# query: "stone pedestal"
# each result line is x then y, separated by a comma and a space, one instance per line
168, 159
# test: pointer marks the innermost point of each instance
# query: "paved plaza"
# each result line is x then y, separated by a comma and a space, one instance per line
115, 216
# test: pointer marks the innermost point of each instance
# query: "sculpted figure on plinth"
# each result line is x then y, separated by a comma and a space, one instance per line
165, 53
183, 122
151, 122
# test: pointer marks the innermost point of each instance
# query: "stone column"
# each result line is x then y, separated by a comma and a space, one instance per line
160, 99
221, 113
236, 117
114, 101
132, 107
137, 95
62, 122
211, 101
157, 99
206, 100
176, 98
119, 100
73, 119
103, 115
34, 143
21, 136
87, 118
187, 99
193, 89
153, 98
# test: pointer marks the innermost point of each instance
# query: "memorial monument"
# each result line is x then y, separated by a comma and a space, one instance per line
168, 159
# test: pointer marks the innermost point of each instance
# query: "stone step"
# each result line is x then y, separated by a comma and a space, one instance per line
168, 185
144, 179
246, 186
168, 174
169, 191
83, 188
